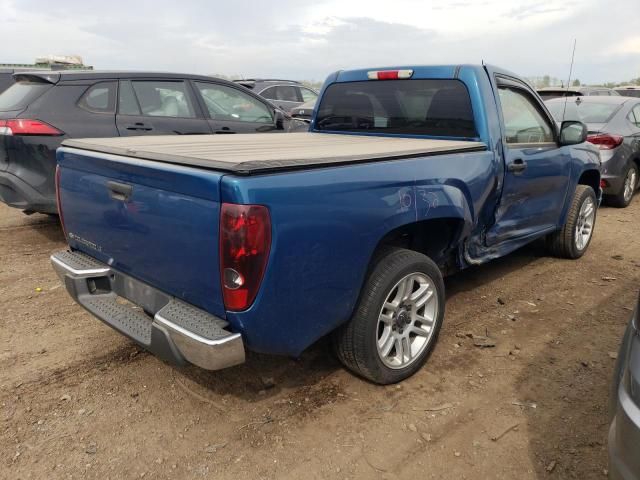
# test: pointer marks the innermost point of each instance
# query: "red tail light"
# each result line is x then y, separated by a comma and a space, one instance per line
605, 141
58, 203
23, 126
245, 241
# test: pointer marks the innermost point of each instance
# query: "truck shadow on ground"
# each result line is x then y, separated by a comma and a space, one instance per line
51, 230
47, 227
569, 381
475, 276
263, 376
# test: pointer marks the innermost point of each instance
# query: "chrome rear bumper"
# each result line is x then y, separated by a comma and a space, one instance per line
169, 328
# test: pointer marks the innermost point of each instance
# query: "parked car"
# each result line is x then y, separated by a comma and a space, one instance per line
548, 93
628, 90
270, 242
285, 94
624, 432
304, 112
44, 108
614, 127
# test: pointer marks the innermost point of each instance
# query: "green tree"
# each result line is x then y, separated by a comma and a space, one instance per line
576, 83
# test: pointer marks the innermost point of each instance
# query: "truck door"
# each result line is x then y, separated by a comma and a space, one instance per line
537, 170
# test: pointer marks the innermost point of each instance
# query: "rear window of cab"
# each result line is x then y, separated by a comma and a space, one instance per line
440, 108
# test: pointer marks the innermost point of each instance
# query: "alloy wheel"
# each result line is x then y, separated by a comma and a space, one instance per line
407, 319
630, 182
584, 225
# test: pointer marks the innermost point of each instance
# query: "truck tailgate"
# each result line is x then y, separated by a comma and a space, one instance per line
155, 222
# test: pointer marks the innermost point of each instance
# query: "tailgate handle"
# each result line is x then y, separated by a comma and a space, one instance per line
120, 191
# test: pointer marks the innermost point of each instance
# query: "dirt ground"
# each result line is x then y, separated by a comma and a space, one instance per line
79, 400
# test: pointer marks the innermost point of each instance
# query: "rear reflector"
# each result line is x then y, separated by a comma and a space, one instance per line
58, 203
605, 141
389, 74
23, 126
245, 241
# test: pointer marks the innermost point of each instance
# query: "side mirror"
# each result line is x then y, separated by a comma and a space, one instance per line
572, 132
279, 116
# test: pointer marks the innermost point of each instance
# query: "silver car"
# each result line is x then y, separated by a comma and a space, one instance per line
284, 94
547, 93
614, 127
628, 90
624, 432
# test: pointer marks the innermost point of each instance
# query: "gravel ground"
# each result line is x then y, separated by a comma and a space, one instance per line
81, 401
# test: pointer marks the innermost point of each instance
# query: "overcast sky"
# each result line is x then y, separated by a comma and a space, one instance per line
307, 39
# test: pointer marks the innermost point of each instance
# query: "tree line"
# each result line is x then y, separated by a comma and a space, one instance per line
549, 81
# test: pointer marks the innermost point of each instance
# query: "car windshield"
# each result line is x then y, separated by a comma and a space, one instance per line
586, 112
20, 94
418, 107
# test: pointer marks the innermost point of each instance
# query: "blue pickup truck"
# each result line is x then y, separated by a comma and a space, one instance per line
200, 247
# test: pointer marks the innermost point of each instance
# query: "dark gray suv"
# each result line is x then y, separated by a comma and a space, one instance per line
284, 94
43, 108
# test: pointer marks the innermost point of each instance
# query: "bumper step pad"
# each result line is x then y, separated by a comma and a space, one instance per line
172, 329
193, 319
132, 322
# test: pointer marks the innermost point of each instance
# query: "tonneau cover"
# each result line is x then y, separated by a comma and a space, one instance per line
262, 152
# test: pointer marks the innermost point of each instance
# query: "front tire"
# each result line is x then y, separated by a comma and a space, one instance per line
575, 236
625, 195
397, 319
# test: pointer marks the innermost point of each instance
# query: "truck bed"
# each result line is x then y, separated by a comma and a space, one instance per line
246, 154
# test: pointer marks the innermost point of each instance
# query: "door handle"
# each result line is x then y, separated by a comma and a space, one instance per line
139, 126
120, 191
517, 166
224, 130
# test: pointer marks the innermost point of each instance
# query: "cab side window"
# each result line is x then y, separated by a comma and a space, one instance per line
231, 104
100, 98
163, 99
127, 103
308, 95
269, 93
283, 93
287, 93
524, 123
634, 116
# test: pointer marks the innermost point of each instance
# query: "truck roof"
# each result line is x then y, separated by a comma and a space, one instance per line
245, 154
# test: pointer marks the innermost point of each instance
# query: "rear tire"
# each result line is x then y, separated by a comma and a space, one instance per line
629, 186
397, 319
573, 239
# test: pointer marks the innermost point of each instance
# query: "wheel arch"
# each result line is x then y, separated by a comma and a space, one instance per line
591, 178
437, 238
